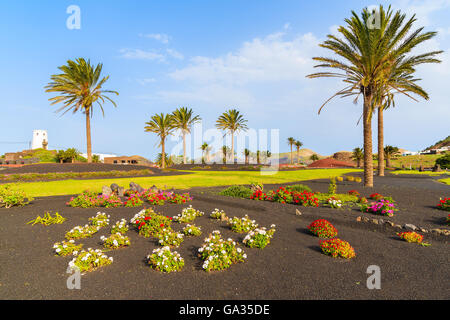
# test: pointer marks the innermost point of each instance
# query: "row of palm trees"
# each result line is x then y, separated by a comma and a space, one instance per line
375, 63
387, 153
292, 142
231, 121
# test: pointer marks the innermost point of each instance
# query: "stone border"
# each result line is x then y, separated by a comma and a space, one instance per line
407, 226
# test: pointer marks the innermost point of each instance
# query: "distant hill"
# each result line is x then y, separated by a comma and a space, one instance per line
440, 144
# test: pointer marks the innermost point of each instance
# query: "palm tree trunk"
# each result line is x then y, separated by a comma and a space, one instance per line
163, 154
232, 148
388, 160
184, 148
367, 124
291, 153
88, 136
298, 155
380, 143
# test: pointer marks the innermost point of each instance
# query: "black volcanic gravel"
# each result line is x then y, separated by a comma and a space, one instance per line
291, 267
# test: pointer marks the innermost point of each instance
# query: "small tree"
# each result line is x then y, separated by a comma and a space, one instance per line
358, 156
389, 151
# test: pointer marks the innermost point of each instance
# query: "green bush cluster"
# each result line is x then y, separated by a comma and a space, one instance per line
298, 188
237, 191
72, 175
10, 197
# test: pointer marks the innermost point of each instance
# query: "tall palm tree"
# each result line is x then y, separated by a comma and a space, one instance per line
358, 155
291, 142
298, 145
232, 121
184, 119
389, 151
246, 155
205, 149
161, 124
369, 54
399, 80
80, 88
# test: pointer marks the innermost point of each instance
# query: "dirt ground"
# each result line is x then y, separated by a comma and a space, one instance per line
292, 267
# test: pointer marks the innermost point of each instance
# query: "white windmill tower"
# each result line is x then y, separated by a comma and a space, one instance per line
40, 139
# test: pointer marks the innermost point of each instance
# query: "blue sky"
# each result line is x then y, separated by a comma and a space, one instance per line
251, 55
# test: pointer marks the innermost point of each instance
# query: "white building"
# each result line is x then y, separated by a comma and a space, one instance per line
40, 139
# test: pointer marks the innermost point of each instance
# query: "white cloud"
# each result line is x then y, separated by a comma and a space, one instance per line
175, 54
146, 81
141, 54
260, 60
161, 37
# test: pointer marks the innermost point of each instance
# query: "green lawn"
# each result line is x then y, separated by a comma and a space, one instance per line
446, 181
430, 173
196, 179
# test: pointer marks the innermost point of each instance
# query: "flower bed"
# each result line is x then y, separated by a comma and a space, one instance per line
115, 241
159, 198
133, 201
164, 260
354, 193
120, 227
242, 225
168, 237
334, 203
149, 223
188, 215
323, 229
192, 230
283, 195
66, 248
259, 238
383, 207
376, 196
100, 220
79, 232
444, 204
89, 199
11, 198
218, 214
220, 254
412, 237
337, 248
90, 260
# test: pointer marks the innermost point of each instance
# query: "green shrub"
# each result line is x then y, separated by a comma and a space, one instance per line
444, 161
298, 188
237, 192
332, 186
10, 198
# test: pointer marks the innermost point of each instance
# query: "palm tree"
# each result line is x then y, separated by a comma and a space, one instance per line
205, 149
80, 88
184, 119
246, 154
258, 154
298, 145
399, 77
291, 142
72, 154
161, 124
168, 160
231, 121
225, 151
369, 54
358, 155
389, 151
